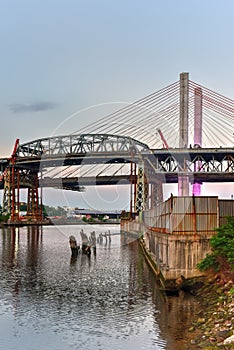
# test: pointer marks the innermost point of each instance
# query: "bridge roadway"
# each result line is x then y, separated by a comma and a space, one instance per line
216, 165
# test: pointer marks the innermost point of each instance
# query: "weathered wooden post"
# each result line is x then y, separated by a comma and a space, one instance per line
100, 238
109, 234
106, 237
85, 243
93, 240
74, 247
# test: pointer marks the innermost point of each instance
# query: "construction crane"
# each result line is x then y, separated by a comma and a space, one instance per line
165, 144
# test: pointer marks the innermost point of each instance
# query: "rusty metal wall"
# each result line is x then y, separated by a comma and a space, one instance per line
185, 215
226, 208
182, 215
195, 215
207, 219
159, 217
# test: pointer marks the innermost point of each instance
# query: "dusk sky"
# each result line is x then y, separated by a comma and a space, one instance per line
59, 57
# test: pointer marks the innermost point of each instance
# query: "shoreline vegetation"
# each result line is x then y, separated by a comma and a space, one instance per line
214, 326
50, 222
59, 216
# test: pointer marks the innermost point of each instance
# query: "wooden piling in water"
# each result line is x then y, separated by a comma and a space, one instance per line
85, 243
74, 247
93, 241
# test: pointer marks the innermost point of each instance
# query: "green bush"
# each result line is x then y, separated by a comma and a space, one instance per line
85, 219
209, 262
4, 218
53, 211
222, 249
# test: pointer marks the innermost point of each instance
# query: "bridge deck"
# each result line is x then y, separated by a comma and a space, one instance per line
217, 166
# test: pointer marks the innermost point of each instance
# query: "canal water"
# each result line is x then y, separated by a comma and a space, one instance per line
109, 301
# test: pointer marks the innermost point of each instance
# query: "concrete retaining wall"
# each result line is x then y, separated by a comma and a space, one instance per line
176, 234
176, 254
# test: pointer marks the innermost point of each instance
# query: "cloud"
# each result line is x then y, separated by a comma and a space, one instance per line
32, 107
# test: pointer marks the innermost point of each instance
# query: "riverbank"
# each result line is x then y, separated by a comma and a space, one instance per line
213, 327
56, 222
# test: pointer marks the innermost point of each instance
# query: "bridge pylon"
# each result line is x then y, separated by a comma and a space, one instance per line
183, 180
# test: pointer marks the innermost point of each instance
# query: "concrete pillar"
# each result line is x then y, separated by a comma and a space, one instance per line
183, 181
197, 132
183, 141
197, 117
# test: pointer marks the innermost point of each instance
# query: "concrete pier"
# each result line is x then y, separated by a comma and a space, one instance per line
176, 234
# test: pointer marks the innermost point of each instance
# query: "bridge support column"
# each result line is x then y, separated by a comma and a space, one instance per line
141, 190
133, 187
33, 206
183, 181
7, 194
13, 178
156, 194
11, 193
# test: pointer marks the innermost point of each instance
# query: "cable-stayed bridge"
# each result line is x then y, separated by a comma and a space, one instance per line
182, 133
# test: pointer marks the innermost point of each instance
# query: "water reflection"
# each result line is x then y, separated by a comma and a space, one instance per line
105, 301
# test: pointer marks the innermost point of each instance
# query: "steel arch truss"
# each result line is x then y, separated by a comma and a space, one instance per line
80, 144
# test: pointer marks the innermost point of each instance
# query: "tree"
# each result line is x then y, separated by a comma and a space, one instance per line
52, 211
4, 218
221, 258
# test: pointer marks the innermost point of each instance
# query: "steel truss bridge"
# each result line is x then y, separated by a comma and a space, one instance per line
94, 158
45, 155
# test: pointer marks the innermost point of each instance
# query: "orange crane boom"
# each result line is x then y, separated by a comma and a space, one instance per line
165, 144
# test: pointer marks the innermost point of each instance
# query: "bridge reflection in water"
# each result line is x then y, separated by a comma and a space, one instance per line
107, 301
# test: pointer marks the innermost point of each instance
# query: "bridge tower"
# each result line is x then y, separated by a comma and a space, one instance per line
197, 133
183, 180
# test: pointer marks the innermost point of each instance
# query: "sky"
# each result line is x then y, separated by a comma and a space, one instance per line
59, 57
